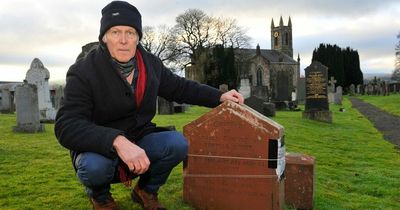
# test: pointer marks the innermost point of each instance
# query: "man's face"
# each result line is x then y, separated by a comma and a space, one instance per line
121, 42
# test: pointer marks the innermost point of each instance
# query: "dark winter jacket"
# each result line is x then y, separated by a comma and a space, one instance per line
99, 104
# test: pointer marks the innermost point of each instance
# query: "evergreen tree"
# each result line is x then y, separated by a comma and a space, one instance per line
343, 64
220, 68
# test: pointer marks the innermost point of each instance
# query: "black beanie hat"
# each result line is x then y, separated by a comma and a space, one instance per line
120, 13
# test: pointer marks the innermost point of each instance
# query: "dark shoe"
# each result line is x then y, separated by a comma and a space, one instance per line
147, 200
108, 204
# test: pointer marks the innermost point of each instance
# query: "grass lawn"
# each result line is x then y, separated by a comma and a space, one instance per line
389, 103
356, 168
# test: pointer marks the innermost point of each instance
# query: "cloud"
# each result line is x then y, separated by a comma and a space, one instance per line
55, 31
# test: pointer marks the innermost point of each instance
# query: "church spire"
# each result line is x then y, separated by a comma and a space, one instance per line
258, 50
298, 57
290, 22
272, 23
281, 22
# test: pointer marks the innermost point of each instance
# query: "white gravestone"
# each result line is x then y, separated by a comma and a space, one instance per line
245, 89
39, 76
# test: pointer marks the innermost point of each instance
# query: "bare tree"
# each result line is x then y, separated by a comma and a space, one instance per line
162, 42
229, 34
396, 72
193, 29
197, 31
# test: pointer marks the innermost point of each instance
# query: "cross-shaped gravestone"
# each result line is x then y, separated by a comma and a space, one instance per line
332, 83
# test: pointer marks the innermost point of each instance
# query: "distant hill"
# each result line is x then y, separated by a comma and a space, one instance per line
382, 76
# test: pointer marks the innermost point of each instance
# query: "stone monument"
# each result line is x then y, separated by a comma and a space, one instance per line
261, 106
236, 160
244, 88
300, 181
301, 90
352, 90
58, 97
224, 88
331, 90
164, 106
6, 103
339, 95
39, 76
28, 119
317, 107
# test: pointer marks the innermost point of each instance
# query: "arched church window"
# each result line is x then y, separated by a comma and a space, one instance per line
259, 77
276, 41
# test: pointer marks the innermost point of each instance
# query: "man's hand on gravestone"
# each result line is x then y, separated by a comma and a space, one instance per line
132, 155
232, 95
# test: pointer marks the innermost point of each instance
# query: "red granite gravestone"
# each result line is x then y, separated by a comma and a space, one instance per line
235, 161
299, 181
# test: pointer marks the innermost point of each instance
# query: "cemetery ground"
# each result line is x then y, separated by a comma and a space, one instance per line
355, 167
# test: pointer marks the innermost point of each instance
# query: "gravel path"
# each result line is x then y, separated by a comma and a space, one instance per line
388, 124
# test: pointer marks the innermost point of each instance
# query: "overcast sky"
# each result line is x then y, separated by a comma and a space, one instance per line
54, 31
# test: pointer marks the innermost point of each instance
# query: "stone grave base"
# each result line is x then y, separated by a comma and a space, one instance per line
299, 181
269, 109
29, 128
280, 105
321, 115
212, 192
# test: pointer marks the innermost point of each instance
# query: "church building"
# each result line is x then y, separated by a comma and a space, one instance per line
269, 74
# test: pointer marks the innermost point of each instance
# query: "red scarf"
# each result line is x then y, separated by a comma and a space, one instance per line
125, 175
141, 81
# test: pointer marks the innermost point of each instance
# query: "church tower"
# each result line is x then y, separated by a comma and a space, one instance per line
281, 37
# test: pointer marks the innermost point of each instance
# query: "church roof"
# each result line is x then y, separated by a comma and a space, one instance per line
271, 55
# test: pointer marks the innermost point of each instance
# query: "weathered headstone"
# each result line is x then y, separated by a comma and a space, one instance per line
28, 119
87, 48
339, 95
235, 160
255, 103
6, 105
331, 90
370, 89
260, 92
300, 181
180, 108
385, 88
331, 87
301, 90
58, 97
376, 90
352, 90
269, 109
317, 107
245, 89
358, 89
39, 76
261, 106
283, 91
223, 87
164, 106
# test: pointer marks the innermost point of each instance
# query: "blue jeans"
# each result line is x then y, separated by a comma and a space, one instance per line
165, 150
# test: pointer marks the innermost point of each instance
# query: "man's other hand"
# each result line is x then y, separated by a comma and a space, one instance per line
232, 95
132, 155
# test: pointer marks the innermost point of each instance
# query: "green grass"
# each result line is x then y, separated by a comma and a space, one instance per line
355, 167
389, 103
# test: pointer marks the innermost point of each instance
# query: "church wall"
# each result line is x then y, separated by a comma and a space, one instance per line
256, 64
